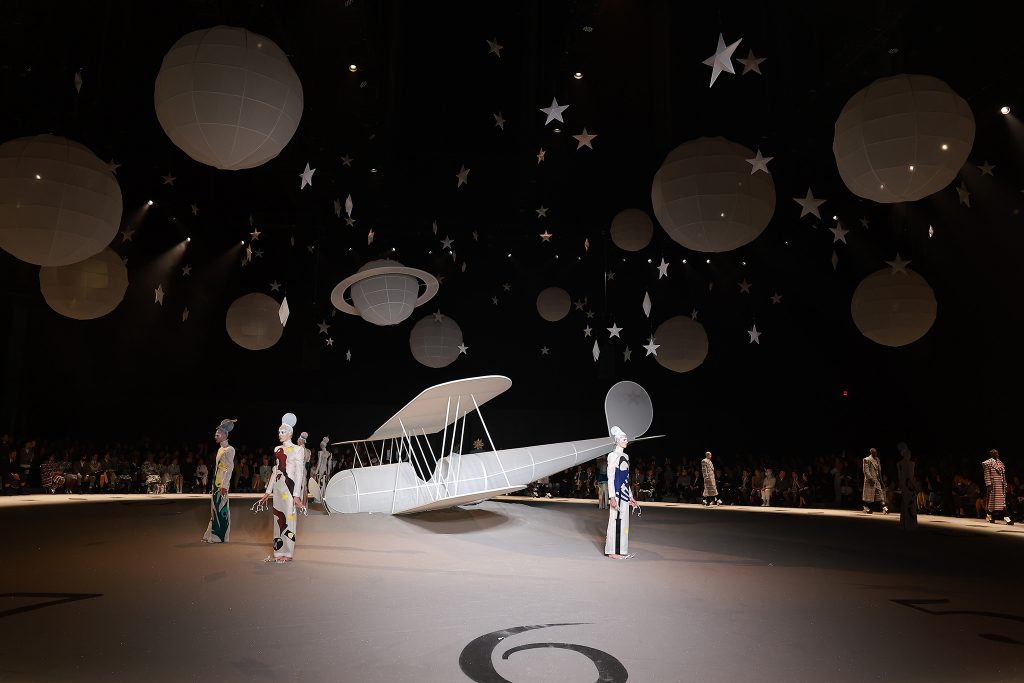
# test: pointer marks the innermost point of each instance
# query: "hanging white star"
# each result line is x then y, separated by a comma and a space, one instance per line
864, 222
323, 326
809, 204
584, 139
662, 269
463, 349
776, 298
348, 355
184, 314
307, 176
195, 209
540, 155
349, 222
493, 48
126, 235
744, 286
346, 160
986, 168
462, 176
186, 271
755, 336
693, 314
275, 286
544, 350
494, 300
587, 330
614, 330
759, 163
542, 212
437, 316
839, 233
964, 195
610, 275
159, 295
447, 242
499, 121
255, 234
651, 347
554, 112
507, 287
258, 253
898, 265
722, 59
751, 63
626, 354
330, 341
589, 314
545, 236
476, 236
113, 166
168, 179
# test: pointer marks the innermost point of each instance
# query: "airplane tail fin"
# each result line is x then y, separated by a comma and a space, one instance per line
628, 407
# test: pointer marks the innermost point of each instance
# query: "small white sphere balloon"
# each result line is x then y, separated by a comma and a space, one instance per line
253, 321
553, 304
893, 308
228, 97
85, 290
682, 344
435, 343
59, 204
632, 229
902, 138
706, 199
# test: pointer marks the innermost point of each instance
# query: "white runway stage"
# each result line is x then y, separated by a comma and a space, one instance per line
121, 588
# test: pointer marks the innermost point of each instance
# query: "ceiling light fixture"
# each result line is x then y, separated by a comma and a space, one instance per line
1004, 110
353, 68
149, 203
578, 75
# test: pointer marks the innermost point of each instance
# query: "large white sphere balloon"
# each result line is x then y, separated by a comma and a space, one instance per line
228, 98
902, 138
85, 290
682, 344
553, 304
59, 204
253, 321
435, 343
893, 308
706, 199
632, 229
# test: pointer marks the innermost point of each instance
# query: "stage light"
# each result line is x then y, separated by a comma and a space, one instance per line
353, 68
945, 146
394, 249
558, 130
373, 170
188, 239
648, 260
845, 392
835, 218
911, 167
510, 254
684, 261
1004, 110
708, 261
149, 203
243, 243
744, 263
38, 177
579, 74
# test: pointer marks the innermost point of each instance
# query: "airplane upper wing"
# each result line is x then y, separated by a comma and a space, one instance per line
426, 413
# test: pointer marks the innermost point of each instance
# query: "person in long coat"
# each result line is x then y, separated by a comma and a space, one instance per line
908, 492
873, 490
219, 528
707, 470
995, 484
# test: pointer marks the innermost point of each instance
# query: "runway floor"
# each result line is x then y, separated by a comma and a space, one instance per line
121, 589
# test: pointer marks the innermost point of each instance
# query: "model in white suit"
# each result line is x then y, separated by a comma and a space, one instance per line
285, 486
620, 499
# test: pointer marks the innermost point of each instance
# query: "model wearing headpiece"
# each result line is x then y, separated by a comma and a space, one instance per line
286, 488
995, 485
620, 499
220, 514
710, 485
873, 490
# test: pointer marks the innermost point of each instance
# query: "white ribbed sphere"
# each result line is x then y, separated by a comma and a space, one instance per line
902, 138
85, 290
632, 229
682, 344
433, 343
228, 97
386, 299
893, 309
553, 304
70, 212
253, 321
706, 199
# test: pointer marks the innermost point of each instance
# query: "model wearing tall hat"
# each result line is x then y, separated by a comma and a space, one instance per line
220, 514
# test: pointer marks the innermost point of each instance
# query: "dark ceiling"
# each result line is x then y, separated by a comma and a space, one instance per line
420, 105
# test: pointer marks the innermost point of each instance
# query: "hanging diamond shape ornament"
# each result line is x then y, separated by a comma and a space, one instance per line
597, 351
647, 304
283, 312
348, 206
835, 260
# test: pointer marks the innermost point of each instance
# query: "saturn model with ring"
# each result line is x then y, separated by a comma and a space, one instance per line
384, 292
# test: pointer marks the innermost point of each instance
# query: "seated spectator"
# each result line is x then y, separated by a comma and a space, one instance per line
71, 477
52, 474
173, 475
149, 475
13, 482
94, 469
202, 476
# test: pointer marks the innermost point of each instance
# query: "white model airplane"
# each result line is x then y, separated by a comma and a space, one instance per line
411, 477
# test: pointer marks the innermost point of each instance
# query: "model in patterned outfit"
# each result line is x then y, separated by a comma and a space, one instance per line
620, 499
995, 485
707, 470
220, 514
873, 490
285, 487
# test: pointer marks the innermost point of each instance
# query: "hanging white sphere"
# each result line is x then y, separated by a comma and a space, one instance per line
85, 290
228, 97
59, 204
435, 343
706, 199
893, 308
253, 321
902, 138
553, 304
632, 229
682, 344
384, 292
